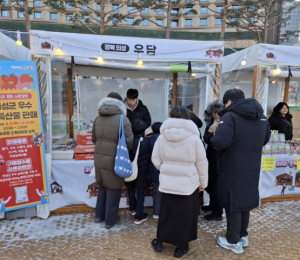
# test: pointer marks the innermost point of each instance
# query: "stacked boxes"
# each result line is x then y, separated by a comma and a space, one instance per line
85, 147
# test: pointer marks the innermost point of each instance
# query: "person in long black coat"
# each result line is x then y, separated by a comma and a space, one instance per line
281, 120
135, 108
212, 119
137, 188
242, 132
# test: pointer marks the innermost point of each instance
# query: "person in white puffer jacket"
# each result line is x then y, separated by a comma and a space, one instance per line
180, 156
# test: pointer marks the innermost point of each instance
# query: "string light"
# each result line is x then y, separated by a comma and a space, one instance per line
59, 49
278, 70
244, 61
193, 74
100, 58
19, 42
140, 61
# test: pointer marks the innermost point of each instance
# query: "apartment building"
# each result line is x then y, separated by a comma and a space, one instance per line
204, 21
291, 25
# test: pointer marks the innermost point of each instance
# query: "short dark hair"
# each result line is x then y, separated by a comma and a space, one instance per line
156, 127
180, 112
279, 106
233, 95
115, 95
132, 93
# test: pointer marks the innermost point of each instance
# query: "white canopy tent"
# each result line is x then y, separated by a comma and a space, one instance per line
262, 71
9, 50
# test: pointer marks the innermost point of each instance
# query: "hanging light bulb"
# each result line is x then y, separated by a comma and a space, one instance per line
140, 61
278, 70
59, 49
19, 42
244, 61
193, 74
100, 58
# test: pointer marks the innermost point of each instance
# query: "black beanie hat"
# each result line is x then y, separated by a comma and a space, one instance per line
138, 126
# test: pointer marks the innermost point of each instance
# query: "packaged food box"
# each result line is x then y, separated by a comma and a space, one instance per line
275, 137
84, 156
85, 149
281, 137
84, 141
86, 136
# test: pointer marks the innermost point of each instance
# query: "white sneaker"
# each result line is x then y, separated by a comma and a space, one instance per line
155, 216
236, 248
244, 241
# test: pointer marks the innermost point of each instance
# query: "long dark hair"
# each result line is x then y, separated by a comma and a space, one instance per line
279, 106
180, 112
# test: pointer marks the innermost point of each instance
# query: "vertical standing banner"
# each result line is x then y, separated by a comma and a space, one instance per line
23, 181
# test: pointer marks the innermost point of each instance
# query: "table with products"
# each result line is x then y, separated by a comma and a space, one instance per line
280, 167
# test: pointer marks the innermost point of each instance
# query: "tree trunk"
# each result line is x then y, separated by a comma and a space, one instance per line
222, 35
265, 30
169, 19
27, 19
102, 17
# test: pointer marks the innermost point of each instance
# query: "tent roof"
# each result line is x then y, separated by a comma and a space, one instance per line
9, 50
125, 48
265, 55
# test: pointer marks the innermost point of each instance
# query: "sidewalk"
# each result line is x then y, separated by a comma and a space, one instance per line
274, 233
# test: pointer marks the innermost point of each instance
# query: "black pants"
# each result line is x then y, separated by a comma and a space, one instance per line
216, 209
237, 224
107, 206
136, 201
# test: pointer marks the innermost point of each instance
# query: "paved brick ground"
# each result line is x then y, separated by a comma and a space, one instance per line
274, 233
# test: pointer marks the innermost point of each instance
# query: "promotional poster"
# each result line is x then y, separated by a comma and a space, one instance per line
23, 180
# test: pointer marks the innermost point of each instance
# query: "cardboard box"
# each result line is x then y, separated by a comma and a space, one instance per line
84, 142
84, 156
296, 118
85, 149
296, 132
87, 136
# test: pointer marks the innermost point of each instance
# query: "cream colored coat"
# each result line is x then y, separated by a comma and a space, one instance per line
180, 156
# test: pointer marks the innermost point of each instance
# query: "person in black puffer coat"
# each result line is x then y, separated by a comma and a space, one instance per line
242, 132
212, 119
135, 108
137, 188
281, 120
153, 172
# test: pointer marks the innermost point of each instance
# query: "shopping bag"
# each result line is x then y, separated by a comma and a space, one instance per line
134, 164
93, 174
123, 166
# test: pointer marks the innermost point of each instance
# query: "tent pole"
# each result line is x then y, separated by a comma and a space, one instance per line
254, 81
70, 99
286, 90
175, 77
217, 82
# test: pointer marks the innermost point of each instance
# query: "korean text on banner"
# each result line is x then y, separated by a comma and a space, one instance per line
268, 163
23, 181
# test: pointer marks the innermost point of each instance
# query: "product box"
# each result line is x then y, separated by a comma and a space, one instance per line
87, 136
84, 142
84, 156
296, 119
85, 149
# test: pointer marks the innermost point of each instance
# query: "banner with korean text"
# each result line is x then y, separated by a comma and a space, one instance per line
23, 181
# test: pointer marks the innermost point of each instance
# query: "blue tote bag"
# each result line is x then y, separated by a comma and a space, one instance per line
123, 166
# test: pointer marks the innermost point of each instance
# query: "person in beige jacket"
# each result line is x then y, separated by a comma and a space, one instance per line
180, 156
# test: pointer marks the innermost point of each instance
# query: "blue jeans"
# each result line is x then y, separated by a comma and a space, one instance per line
156, 198
136, 201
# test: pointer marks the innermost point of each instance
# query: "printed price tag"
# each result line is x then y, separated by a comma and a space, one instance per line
298, 163
268, 163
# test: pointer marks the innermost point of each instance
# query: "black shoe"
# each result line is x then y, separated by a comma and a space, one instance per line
206, 208
180, 253
210, 217
98, 220
157, 245
110, 226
